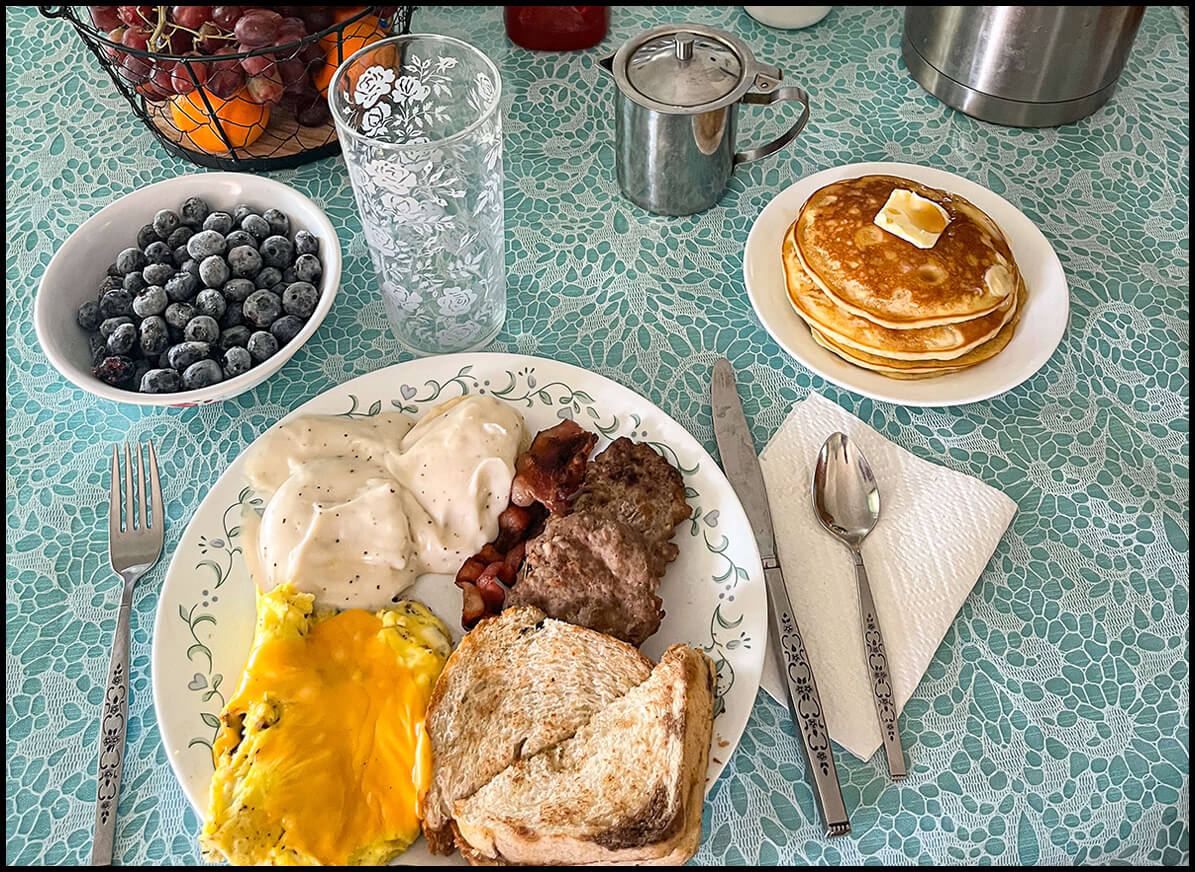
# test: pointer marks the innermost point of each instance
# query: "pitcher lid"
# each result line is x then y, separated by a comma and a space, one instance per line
684, 69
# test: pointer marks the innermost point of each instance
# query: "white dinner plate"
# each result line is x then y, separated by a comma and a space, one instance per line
1038, 333
713, 593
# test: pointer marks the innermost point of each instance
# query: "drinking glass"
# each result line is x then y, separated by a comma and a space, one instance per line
421, 133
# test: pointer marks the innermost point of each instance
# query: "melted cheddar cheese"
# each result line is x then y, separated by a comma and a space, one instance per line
322, 756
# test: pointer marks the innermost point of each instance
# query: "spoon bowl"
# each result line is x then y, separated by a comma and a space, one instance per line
846, 498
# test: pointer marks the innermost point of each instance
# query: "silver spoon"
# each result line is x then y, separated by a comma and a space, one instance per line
847, 502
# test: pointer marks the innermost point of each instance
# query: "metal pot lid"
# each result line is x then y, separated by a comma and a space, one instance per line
684, 69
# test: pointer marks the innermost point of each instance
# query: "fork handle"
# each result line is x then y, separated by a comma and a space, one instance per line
113, 723
881, 678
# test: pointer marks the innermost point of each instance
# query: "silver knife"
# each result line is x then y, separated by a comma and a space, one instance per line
741, 465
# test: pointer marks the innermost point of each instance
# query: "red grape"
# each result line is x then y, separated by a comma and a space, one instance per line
260, 65
314, 113
264, 89
291, 30
317, 18
225, 78
116, 35
105, 17
134, 16
191, 17
133, 69
160, 83
226, 16
209, 39
136, 37
293, 72
177, 42
183, 81
257, 28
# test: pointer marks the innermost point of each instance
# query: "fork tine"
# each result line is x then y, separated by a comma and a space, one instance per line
159, 508
114, 496
129, 524
142, 508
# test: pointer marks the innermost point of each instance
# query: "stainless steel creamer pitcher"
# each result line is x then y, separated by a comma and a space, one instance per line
680, 87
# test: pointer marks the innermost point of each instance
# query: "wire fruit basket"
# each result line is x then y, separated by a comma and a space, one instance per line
229, 87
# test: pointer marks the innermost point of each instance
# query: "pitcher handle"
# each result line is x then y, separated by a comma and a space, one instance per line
767, 79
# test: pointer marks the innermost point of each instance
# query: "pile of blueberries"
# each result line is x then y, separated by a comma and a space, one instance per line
203, 297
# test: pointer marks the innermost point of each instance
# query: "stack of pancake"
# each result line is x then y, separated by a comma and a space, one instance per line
881, 302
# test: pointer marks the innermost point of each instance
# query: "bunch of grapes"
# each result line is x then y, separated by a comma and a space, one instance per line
199, 36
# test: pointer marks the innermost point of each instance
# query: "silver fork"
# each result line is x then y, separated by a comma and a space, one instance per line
133, 550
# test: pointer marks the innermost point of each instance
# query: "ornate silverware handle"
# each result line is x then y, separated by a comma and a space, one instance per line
881, 678
113, 722
805, 704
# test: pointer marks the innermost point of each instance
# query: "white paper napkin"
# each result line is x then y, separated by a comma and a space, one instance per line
937, 531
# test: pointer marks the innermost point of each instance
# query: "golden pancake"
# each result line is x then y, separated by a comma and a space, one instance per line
926, 368
876, 275
945, 342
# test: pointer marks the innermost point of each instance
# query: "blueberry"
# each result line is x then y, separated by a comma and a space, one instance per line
88, 317
202, 328
123, 339
178, 315
213, 271
280, 288
233, 316
113, 270
289, 276
180, 236
157, 273
116, 302
146, 235
175, 333
131, 260
239, 213
111, 283
233, 337
244, 261
166, 222
190, 266
116, 370
267, 277
164, 360
300, 298
221, 222
193, 211
211, 302
161, 381
181, 256
287, 328
134, 283
308, 268
159, 252
262, 309
182, 287
140, 368
151, 301
186, 353
256, 225
108, 325
98, 346
237, 361
238, 290
277, 251
202, 374
205, 243
240, 237
306, 243
262, 345
154, 336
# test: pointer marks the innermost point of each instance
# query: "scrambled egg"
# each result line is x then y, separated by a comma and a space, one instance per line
322, 757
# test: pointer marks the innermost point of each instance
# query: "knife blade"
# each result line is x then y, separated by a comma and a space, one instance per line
741, 465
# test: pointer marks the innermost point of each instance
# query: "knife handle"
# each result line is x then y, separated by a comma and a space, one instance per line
805, 704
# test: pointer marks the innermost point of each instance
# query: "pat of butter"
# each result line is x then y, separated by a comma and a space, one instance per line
913, 218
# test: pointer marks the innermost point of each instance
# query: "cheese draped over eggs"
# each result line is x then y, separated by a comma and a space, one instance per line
357, 508
322, 757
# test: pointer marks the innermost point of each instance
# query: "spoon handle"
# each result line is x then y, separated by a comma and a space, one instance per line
881, 679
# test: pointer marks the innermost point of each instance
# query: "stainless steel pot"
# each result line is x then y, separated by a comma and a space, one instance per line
679, 89
1023, 66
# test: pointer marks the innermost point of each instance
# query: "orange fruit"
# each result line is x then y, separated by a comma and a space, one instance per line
354, 37
242, 120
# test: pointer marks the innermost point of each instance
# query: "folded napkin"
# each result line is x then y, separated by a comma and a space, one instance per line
937, 531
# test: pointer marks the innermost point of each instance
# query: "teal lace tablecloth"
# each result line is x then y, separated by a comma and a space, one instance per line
1053, 724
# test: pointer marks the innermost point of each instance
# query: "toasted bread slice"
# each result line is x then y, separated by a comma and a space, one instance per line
517, 684
627, 788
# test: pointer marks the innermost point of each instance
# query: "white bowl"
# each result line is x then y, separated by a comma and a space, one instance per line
78, 268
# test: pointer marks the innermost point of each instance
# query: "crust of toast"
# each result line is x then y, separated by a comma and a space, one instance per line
517, 684
626, 789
